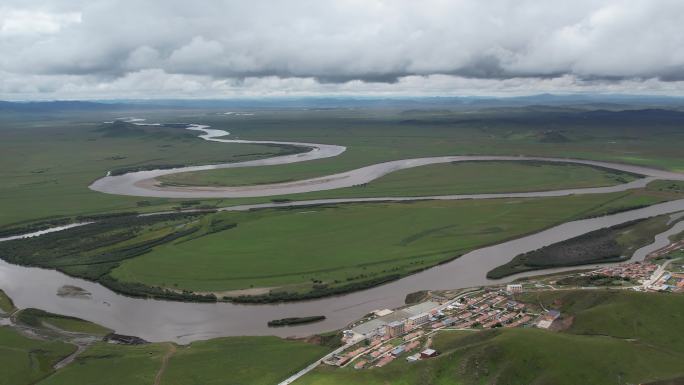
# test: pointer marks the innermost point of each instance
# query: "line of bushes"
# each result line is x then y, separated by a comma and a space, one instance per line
317, 292
295, 321
33, 227
140, 290
146, 167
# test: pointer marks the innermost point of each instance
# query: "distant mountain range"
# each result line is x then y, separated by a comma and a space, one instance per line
591, 101
59, 105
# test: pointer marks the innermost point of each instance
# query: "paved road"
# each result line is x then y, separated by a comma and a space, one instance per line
313, 366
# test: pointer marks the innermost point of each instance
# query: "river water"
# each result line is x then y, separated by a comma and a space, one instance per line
143, 183
186, 322
156, 320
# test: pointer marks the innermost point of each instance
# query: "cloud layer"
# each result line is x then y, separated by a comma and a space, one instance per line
120, 48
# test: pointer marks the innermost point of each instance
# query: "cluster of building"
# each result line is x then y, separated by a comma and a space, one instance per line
667, 281
389, 334
487, 310
637, 271
386, 335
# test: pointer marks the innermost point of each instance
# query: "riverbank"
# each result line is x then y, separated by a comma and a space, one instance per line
179, 256
50, 349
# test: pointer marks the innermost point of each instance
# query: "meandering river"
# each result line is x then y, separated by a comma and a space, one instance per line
182, 322
143, 183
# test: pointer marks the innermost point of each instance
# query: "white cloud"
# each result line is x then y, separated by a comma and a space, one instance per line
225, 48
20, 22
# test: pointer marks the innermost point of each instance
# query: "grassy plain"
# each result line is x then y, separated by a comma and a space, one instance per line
107, 364
48, 162
232, 360
617, 337
240, 360
461, 178
331, 246
640, 137
229, 360
50, 159
24, 360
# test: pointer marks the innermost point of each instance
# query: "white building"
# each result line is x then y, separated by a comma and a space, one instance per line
419, 319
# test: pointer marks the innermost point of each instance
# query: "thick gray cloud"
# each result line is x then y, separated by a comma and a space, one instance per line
97, 48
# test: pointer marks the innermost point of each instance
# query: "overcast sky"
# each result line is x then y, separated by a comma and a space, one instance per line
205, 49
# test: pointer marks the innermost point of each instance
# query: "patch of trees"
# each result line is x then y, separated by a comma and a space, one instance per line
285, 296
146, 167
598, 246
33, 227
283, 149
124, 339
295, 321
140, 290
97, 217
592, 280
416, 297
68, 246
91, 251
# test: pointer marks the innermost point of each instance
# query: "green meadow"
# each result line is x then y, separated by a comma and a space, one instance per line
50, 159
47, 164
6, 304
108, 364
42, 319
457, 178
377, 136
26, 360
302, 249
240, 360
232, 360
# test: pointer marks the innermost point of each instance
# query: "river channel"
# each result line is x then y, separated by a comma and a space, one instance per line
156, 320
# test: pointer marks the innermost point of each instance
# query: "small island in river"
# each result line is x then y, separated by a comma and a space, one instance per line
295, 321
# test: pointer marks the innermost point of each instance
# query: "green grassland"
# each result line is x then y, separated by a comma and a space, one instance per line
617, 337
322, 247
49, 160
91, 251
25, 360
462, 178
646, 317
6, 304
378, 136
47, 164
41, 319
108, 364
200, 256
240, 360
229, 360
232, 360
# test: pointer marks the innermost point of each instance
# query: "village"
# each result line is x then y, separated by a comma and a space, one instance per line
387, 335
